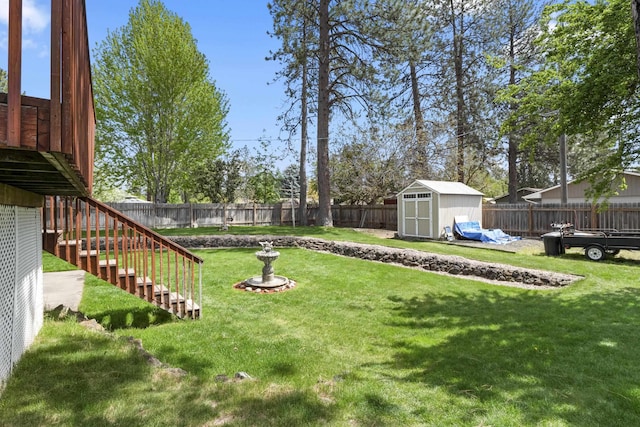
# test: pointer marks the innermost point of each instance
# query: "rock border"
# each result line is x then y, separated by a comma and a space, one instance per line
446, 264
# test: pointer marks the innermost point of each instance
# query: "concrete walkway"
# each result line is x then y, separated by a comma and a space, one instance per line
63, 287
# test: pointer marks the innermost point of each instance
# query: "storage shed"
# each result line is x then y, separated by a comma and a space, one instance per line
426, 207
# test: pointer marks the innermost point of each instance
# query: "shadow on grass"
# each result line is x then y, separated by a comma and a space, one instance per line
282, 408
56, 383
82, 378
551, 358
136, 317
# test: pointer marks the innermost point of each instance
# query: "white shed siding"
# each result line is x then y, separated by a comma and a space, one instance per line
448, 199
21, 287
455, 205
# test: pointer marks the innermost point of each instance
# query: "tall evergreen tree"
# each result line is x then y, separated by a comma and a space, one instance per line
345, 64
295, 25
515, 25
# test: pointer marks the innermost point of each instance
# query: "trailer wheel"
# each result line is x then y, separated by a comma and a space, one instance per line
594, 253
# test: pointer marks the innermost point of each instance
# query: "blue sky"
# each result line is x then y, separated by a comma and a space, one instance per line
231, 34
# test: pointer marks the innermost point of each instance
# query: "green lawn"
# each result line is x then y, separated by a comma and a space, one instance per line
355, 344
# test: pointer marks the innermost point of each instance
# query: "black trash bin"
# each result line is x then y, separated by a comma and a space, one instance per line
553, 243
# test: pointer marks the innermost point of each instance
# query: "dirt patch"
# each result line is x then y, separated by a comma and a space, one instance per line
516, 246
378, 232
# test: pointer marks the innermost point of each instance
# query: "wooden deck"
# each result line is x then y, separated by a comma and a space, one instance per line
47, 146
33, 166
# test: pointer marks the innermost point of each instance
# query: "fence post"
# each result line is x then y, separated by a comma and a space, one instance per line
594, 216
255, 210
530, 220
224, 215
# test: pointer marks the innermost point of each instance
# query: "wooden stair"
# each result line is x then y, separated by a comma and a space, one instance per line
115, 248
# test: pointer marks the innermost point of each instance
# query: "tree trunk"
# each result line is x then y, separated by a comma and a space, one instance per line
302, 173
420, 168
460, 118
324, 183
460, 104
635, 9
513, 143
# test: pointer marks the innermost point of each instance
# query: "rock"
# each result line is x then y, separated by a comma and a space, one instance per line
221, 378
93, 325
502, 273
174, 372
242, 376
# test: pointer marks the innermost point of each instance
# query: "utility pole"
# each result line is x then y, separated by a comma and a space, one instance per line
564, 190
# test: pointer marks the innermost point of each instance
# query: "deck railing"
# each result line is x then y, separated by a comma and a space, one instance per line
61, 129
115, 248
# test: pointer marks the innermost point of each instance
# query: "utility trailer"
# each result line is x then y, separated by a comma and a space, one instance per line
596, 243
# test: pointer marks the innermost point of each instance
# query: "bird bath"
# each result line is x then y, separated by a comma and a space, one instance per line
268, 281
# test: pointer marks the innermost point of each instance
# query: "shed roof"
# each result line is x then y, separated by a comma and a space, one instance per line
445, 187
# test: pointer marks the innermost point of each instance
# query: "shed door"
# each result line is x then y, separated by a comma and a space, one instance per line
417, 214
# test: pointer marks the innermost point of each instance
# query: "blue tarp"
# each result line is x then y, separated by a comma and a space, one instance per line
471, 230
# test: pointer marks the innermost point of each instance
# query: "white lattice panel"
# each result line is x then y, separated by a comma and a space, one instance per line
21, 294
7, 285
28, 293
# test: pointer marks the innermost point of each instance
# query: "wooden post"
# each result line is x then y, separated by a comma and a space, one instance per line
255, 210
14, 73
594, 216
224, 215
530, 219
55, 109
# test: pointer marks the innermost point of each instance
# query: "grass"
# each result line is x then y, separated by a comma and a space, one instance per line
355, 343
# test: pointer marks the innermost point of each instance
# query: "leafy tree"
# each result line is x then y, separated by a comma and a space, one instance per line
264, 178
635, 9
266, 186
159, 115
515, 24
369, 166
220, 179
4, 82
589, 80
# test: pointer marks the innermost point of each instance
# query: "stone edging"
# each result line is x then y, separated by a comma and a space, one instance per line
448, 264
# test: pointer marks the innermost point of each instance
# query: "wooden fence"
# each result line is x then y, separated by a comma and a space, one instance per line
521, 219
217, 214
528, 220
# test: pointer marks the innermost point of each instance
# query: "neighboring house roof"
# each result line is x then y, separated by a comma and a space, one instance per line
522, 193
133, 199
539, 195
444, 187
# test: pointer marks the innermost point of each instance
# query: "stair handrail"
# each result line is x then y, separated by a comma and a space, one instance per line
146, 230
